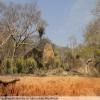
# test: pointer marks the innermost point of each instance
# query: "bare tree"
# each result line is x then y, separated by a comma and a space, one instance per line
72, 44
18, 22
96, 11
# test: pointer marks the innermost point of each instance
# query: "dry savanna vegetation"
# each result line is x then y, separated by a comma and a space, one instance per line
26, 54
51, 86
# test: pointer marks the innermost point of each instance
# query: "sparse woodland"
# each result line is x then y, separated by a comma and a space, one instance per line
25, 50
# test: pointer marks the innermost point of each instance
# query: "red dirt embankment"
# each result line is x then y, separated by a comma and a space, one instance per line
51, 86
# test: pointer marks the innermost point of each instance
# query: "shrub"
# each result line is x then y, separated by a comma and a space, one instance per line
25, 65
66, 66
87, 52
57, 62
8, 67
20, 65
31, 65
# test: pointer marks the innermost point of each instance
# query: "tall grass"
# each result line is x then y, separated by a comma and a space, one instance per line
52, 86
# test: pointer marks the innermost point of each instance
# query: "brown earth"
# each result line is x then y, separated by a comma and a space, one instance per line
51, 86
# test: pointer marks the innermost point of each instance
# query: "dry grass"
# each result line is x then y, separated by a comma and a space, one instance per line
51, 86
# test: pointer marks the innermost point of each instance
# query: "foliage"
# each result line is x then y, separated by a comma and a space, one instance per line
25, 65
16, 39
8, 67
57, 59
31, 65
20, 65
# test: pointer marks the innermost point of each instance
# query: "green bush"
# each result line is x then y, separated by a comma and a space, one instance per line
66, 66
87, 52
26, 65
31, 65
8, 67
20, 65
57, 62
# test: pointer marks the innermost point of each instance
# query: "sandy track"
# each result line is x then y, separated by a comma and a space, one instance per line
51, 86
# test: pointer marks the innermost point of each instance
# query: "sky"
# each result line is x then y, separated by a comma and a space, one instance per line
65, 18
